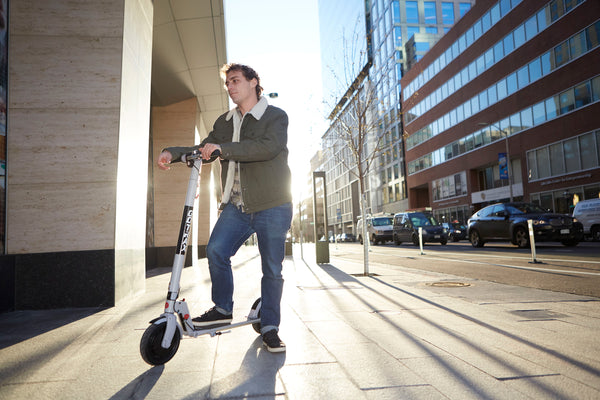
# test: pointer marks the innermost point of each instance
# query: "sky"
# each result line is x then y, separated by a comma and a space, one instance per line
280, 40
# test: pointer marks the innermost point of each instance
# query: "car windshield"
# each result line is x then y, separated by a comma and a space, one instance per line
525, 208
382, 221
423, 220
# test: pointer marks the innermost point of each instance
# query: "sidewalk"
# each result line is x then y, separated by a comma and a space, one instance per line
400, 334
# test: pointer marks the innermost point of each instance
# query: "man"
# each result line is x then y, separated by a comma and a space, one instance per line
252, 140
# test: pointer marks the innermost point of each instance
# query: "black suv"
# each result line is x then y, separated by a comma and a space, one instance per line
508, 221
407, 224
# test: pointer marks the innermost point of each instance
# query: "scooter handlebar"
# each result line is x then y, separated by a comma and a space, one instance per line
189, 158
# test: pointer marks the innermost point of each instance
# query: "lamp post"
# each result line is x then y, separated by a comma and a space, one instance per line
510, 188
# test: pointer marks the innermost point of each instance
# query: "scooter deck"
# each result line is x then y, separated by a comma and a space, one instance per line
218, 330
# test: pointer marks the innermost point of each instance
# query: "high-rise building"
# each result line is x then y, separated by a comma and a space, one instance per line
391, 25
506, 106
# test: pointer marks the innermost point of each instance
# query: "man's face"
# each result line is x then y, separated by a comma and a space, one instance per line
239, 88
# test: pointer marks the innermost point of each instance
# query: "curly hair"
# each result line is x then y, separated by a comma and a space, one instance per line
247, 71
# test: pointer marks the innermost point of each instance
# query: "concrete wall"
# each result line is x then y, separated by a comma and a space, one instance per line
78, 109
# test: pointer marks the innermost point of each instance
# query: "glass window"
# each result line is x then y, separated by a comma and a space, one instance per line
467, 109
578, 44
504, 7
531, 164
431, 29
475, 105
569, 4
515, 123
511, 83
492, 95
463, 8
589, 158
483, 100
542, 20
411, 30
477, 139
527, 118
557, 160
556, 9
464, 76
539, 113
552, 107
571, 149
561, 54
598, 143
523, 77
486, 22
477, 29
412, 12
498, 51
470, 36
596, 88
583, 94
508, 43
429, 11
531, 27
495, 13
545, 61
489, 58
535, 70
472, 70
543, 162
502, 89
567, 101
519, 36
448, 13
396, 11
593, 35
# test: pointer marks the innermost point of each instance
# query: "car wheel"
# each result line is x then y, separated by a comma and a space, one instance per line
373, 240
443, 242
475, 239
415, 240
398, 242
595, 232
521, 238
570, 243
455, 238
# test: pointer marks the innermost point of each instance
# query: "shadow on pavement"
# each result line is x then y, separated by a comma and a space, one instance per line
256, 377
141, 386
18, 326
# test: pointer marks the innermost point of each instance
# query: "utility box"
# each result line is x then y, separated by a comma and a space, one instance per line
322, 252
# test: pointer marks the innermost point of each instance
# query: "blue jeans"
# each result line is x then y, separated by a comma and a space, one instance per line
231, 231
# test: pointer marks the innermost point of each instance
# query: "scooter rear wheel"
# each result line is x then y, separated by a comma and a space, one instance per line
150, 345
255, 306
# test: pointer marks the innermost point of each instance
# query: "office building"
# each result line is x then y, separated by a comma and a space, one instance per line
513, 80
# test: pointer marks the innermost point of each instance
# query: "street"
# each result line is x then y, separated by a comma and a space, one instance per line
558, 268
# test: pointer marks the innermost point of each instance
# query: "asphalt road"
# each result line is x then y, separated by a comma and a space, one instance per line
558, 268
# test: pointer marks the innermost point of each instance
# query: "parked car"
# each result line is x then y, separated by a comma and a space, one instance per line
508, 221
347, 237
588, 213
407, 224
379, 229
456, 231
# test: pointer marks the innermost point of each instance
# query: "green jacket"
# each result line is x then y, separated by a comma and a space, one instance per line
262, 152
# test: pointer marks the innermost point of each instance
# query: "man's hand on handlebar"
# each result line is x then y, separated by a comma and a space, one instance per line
208, 149
164, 159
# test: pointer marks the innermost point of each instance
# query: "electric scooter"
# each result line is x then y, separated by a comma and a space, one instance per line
160, 340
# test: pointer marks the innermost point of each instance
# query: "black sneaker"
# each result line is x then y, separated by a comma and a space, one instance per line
212, 319
272, 341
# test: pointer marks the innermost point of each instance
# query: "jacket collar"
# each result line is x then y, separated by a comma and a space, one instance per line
257, 111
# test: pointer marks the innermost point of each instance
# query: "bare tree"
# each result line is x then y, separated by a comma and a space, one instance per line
353, 137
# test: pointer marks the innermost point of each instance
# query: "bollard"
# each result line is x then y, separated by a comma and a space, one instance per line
532, 243
421, 239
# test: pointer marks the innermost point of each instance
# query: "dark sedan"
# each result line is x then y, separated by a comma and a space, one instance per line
508, 221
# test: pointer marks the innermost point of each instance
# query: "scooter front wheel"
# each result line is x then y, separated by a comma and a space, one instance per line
255, 310
150, 345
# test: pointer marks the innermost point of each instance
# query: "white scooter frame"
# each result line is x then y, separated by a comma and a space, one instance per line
160, 341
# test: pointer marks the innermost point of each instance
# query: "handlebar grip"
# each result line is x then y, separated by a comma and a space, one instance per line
214, 155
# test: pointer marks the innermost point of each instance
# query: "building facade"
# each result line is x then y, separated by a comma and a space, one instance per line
398, 34
95, 91
513, 80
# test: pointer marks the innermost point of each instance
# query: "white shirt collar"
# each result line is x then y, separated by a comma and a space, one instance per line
257, 111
